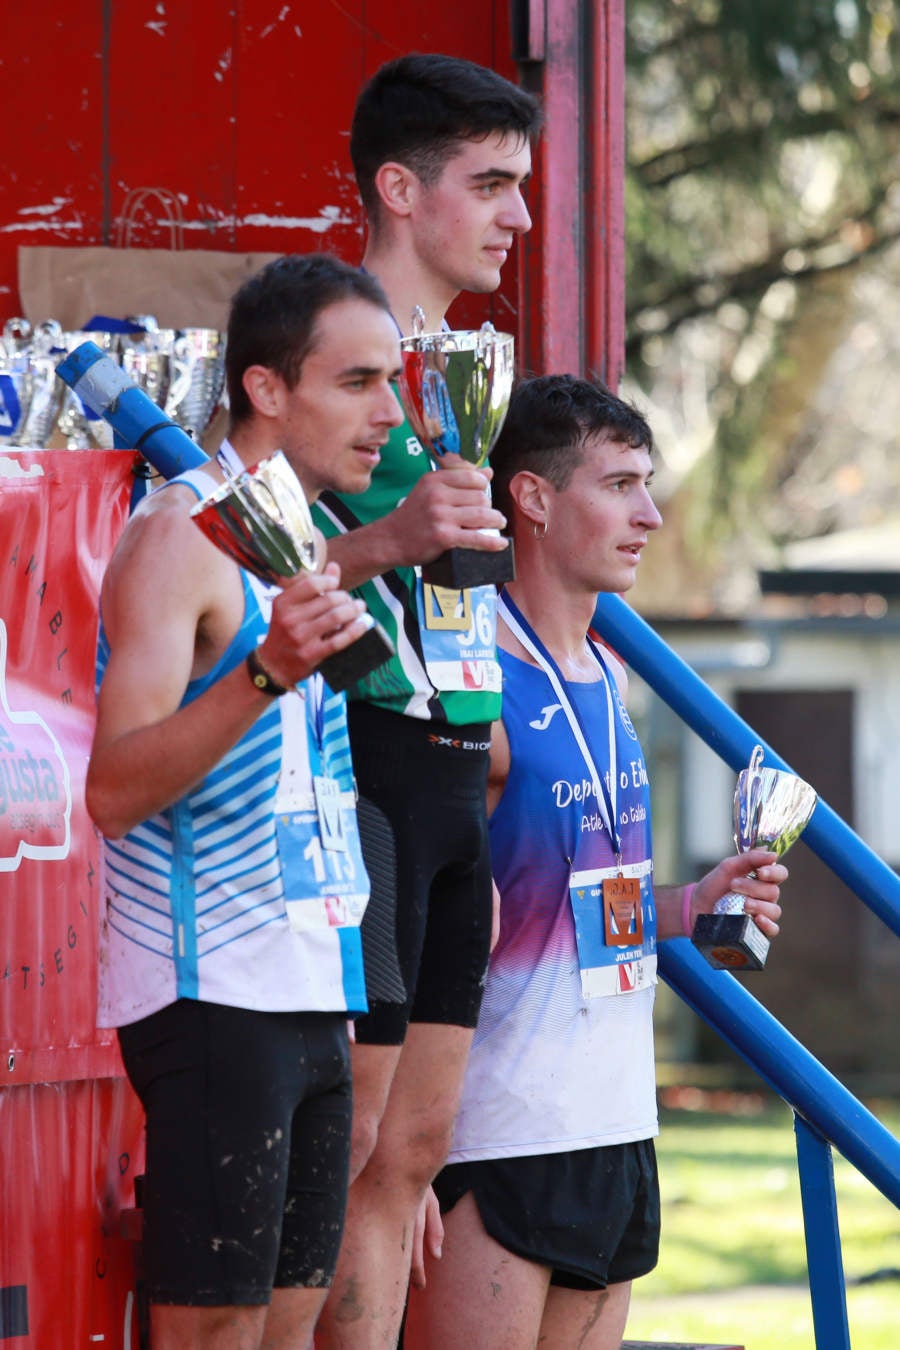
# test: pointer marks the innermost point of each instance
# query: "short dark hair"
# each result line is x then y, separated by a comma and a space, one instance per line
549, 421
273, 316
417, 108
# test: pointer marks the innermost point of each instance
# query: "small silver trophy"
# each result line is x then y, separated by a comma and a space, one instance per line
30, 394
148, 356
771, 810
15, 375
261, 519
192, 401
455, 387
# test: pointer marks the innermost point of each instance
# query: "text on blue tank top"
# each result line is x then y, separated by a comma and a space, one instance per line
606, 802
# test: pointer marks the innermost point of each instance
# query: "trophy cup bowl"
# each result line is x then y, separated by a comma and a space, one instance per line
194, 398
15, 377
260, 518
455, 388
34, 386
148, 358
771, 810
17, 333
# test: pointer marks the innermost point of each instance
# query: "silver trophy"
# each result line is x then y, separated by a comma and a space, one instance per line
771, 810
455, 387
261, 519
148, 356
195, 395
29, 390
15, 367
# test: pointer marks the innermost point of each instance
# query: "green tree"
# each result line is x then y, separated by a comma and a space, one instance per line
762, 179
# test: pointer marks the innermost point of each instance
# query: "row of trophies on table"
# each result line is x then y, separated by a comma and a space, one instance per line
182, 370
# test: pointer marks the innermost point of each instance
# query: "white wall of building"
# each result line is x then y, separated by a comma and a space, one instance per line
812, 658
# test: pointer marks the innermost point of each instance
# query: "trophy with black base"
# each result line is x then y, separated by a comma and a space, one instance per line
261, 519
455, 387
771, 810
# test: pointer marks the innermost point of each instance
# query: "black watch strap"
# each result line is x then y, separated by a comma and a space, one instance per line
261, 677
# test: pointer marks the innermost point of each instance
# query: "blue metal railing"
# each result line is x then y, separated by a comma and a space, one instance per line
825, 1112
733, 740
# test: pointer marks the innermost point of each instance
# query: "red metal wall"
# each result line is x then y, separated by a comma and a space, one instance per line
238, 113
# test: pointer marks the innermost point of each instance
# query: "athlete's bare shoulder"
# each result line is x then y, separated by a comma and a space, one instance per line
164, 563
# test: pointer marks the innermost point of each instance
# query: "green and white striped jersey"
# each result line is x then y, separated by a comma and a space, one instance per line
445, 668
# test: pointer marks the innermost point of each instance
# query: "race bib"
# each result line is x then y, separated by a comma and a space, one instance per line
615, 929
324, 887
459, 636
325, 881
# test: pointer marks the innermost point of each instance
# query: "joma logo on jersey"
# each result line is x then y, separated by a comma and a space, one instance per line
547, 715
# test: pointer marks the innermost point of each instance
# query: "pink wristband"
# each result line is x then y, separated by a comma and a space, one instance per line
686, 926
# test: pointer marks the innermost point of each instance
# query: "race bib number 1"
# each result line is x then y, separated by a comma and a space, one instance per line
325, 881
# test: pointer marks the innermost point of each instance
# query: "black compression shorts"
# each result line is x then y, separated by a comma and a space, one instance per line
591, 1215
429, 780
248, 1132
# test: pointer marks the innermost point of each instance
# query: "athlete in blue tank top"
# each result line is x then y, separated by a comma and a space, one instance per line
550, 1198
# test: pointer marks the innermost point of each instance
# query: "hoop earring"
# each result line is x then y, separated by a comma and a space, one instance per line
543, 525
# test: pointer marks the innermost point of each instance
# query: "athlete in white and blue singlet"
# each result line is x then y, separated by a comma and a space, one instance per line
234, 887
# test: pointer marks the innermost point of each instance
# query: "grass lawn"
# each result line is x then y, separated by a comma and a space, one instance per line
733, 1256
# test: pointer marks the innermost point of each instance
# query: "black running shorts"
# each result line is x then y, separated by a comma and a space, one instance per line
429, 781
248, 1131
592, 1215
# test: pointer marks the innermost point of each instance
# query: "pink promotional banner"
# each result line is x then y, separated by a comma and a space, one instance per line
71, 1130
60, 514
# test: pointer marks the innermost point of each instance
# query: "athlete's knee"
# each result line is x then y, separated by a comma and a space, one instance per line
423, 1151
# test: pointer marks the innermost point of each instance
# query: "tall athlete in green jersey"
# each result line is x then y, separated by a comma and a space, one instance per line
441, 149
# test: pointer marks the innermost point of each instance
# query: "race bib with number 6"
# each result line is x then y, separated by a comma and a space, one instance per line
459, 636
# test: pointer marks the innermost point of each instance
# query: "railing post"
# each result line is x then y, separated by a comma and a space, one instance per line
823, 1242
572, 269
